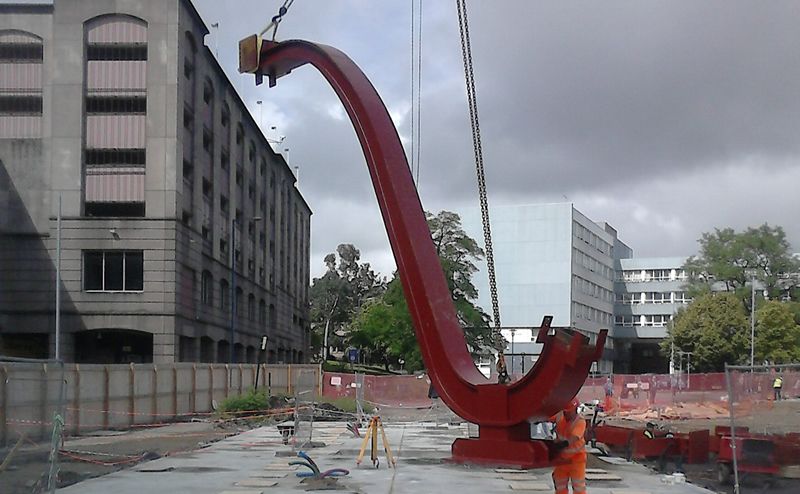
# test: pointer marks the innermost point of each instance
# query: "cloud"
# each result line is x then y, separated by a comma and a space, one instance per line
665, 119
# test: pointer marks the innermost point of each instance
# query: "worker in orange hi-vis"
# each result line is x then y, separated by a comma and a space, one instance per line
570, 429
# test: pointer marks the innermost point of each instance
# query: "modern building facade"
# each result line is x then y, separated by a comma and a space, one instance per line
550, 259
183, 236
648, 292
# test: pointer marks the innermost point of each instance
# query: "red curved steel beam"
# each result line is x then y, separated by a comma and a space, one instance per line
501, 411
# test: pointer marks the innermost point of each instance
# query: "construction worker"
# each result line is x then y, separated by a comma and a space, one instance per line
777, 387
609, 392
571, 459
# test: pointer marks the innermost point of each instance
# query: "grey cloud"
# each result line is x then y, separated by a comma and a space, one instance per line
684, 109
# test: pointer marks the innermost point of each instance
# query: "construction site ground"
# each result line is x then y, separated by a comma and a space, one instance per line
768, 418
207, 457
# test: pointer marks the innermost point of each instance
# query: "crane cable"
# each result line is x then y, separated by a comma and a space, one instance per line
466, 52
416, 82
276, 19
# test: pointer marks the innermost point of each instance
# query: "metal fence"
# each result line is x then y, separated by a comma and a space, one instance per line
306, 396
32, 411
764, 435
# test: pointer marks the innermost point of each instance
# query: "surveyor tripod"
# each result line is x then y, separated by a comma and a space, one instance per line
371, 437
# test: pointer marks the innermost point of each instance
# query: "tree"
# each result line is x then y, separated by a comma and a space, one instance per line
715, 328
777, 337
385, 325
337, 295
729, 259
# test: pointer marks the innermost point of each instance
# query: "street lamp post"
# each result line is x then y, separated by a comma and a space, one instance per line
513, 331
752, 320
233, 288
58, 281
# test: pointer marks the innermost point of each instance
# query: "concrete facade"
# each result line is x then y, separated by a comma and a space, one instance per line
550, 259
648, 292
201, 173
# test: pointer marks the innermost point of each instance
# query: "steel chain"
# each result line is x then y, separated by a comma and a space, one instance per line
466, 53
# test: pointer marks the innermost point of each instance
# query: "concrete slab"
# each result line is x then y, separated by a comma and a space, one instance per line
256, 483
422, 466
514, 476
269, 475
596, 470
602, 476
530, 486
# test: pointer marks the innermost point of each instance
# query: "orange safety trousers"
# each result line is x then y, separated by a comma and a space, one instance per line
574, 471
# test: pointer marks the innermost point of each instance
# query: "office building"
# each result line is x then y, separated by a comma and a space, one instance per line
550, 259
117, 111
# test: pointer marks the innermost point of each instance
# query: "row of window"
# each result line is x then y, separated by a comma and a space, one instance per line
653, 298
224, 298
657, 320
592, 264
581, 285
643, 275
582, 311
123, 271
589, 238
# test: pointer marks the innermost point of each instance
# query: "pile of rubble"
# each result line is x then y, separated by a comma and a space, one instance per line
677, 412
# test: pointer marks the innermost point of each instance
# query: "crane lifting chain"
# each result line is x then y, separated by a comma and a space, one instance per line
466, 53
277, 18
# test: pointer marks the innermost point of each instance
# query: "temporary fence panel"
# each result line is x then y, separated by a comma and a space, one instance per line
123, 396
764, 432
32, 407
306, 396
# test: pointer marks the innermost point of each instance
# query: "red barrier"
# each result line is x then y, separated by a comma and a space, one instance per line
387, 391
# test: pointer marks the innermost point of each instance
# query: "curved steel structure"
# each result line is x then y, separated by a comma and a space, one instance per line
501, 411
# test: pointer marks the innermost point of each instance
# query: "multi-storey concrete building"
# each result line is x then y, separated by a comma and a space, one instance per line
550, 259
165, 181
648, 292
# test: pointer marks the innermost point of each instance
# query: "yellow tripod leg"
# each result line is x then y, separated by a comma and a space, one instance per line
386, 448
364, 444
374, 449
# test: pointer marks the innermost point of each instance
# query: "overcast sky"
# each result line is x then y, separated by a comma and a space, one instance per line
665, 119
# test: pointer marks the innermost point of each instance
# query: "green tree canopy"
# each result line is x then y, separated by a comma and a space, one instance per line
728, 260
338, 294
385, 325
715, 328
777, 337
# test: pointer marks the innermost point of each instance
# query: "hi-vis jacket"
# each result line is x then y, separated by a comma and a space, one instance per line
572, 431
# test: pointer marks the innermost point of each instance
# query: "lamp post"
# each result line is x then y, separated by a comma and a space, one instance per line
752, 320
513, 331
58, 281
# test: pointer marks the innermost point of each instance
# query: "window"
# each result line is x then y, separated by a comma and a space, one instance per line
224, 294
188, 170
208, 92
223, 204
208, 189
262, 312
239, 133
206, 288
116, 51
113, 271
225, 118
239, 296
208, 141
188, 118
224, 159
99, 105
251, 307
